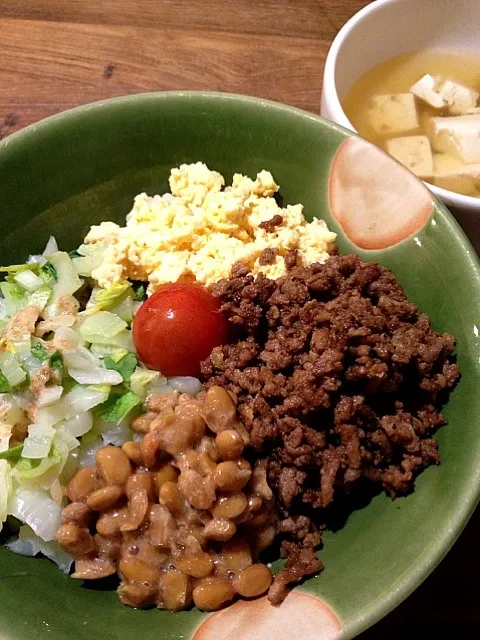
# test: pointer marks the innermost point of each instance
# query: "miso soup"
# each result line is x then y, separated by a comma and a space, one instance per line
424, 109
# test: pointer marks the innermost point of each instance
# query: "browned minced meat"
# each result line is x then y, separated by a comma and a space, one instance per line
338, 378
272, 224
268, 256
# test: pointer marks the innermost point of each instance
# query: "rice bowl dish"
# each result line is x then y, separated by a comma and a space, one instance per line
135, 445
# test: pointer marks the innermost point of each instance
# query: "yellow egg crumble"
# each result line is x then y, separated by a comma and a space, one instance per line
199, 230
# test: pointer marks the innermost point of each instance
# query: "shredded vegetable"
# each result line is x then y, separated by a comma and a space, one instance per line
28, 280
38, 351
70, 382
4, 384
11, 369
95, 376
117, 406
5, 489
49, 395
51, 246
141, 378
28, 469
39, 440
35, 507
101, 326
12, 454
80, 424
125, 366
29, 544
106, 298
67, 278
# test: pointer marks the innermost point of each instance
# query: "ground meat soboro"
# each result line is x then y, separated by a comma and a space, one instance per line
338, 378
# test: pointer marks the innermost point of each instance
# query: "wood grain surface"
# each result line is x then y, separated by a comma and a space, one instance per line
56, 54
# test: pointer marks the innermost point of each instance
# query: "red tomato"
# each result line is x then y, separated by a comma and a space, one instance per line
177, 327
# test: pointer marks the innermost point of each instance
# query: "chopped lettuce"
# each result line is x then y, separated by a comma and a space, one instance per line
56, 360
29, 544
97, 385
5, 435
28, 280
140, 378
76, 401
12, 454
84, 265
80, 424
88, 258
40, 297
15, 298
51, 246
106, 298
86, 368
124, 309
125, 366
84, 398
103, 350
38, 351
11, 369
81, 358
123, 340
48, 272
118, 299
139, 291
29, 469
102, 326
97, 376
65, 436
69, 469
68, 337
34, 506
24, 386
11, 416
117, 406
114, 433
5, 386
5, 489
39, 440
67, 278
14, 269
88, 249
49, 395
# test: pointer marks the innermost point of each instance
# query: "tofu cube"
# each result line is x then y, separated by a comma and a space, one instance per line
458, 136
415, 153
458, 98
393, 113
449, 173
426, 89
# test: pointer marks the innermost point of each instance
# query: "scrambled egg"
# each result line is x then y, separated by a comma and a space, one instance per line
199, 230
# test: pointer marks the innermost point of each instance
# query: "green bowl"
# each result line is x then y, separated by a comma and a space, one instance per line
83, 166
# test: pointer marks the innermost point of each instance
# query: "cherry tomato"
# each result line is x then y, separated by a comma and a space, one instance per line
177, 327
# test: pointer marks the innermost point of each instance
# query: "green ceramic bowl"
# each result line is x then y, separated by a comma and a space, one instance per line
78, 168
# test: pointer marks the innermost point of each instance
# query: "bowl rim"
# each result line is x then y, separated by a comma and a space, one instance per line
147, 96
330, 94
435, 553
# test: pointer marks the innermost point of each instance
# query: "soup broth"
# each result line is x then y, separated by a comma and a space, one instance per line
382, 108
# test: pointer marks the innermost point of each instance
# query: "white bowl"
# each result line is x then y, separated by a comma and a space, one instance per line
386, 28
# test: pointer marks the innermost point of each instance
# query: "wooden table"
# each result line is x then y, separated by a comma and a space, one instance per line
56, 54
